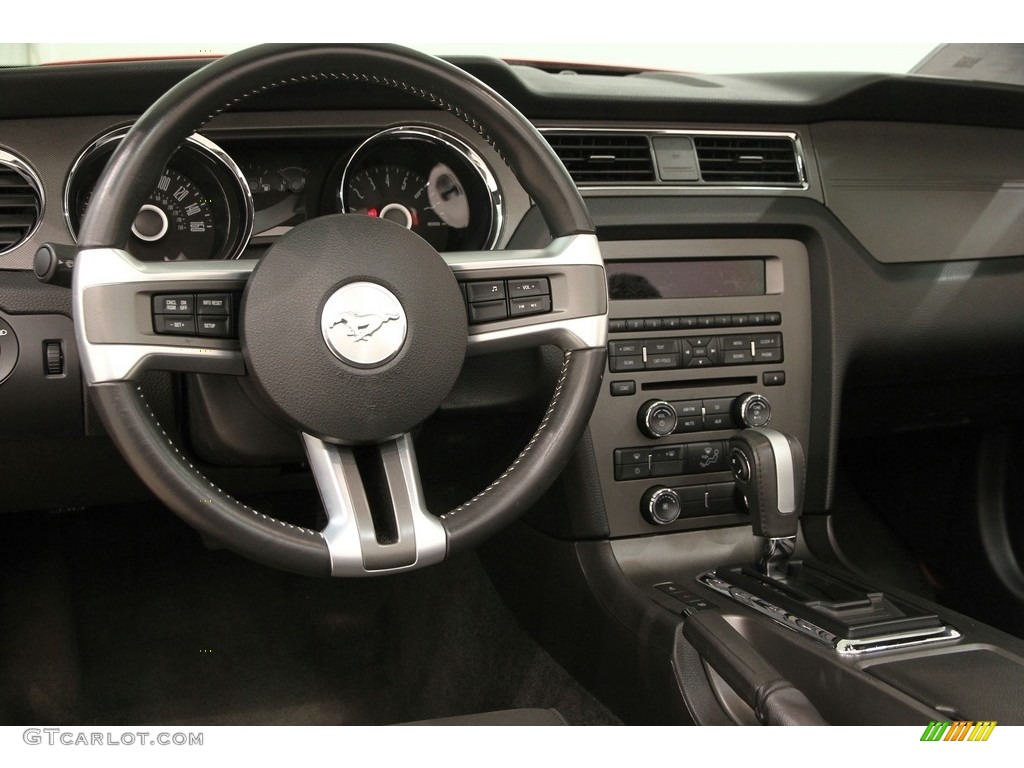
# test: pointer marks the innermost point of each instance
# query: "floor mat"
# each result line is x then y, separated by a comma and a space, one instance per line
121, 616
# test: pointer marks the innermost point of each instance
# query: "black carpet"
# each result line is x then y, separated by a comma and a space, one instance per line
121, 616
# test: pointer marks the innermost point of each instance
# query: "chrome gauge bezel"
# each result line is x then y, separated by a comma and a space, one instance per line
430, 134
205, 149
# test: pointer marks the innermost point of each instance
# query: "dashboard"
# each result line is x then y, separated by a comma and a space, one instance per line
802, 226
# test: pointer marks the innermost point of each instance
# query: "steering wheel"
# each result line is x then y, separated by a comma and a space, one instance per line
352, 327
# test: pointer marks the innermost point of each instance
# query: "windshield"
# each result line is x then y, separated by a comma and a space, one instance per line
705, 58
994, 62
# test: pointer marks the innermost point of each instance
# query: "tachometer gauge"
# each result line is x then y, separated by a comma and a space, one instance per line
201, 207
397, 194
428, 181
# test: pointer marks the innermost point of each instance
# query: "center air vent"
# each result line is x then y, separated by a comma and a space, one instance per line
21, 202
595, 158
747, 160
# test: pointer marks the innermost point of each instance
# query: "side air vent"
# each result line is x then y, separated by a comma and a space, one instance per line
755, 160
21, 202
598, 158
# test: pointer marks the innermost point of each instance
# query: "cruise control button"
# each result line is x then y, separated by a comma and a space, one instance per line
181, 326
539, 305
178, 304
520, 289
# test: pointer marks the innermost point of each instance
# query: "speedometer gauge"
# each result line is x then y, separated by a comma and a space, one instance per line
201, 207
427, 181
174, 224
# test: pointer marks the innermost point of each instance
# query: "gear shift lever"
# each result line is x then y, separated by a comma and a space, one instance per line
769, 471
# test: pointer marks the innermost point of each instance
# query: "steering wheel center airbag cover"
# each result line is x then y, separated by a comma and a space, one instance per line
354, 328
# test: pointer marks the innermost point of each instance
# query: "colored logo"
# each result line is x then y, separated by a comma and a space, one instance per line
959, 730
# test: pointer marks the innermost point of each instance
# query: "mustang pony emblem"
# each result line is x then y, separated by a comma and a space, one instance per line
362, 327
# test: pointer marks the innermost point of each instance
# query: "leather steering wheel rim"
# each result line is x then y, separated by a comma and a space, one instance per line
133, 172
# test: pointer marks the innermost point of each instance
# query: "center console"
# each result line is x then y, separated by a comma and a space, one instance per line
706, 337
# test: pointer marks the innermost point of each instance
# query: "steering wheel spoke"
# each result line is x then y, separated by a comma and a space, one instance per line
377, 520
525, 298
125, 327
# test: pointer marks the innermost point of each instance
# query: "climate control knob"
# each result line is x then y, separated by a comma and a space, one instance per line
657, 418
753, 410
660, 505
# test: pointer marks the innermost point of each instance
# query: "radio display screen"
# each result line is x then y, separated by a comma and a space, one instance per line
685, 278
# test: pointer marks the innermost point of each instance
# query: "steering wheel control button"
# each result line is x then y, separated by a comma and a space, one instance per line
485, 311
491, 300
203, 314
657, 418
214, 326
364, 324
178, 304
485, 291
521, 289
175, 324
753, 410
661, 506
535, 306
213, 304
